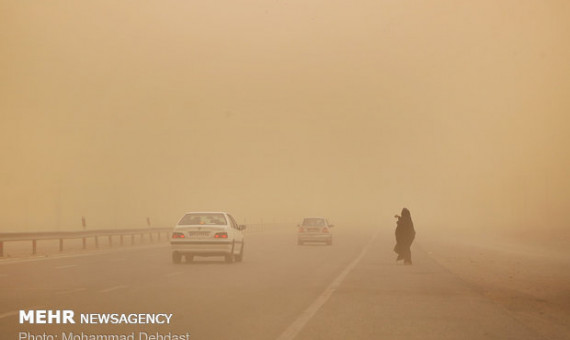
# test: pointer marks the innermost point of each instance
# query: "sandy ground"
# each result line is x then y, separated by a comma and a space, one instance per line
527, 273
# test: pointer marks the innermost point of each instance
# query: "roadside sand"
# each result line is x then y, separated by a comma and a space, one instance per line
527, 274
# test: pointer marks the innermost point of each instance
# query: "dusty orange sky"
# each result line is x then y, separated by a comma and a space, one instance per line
122, 110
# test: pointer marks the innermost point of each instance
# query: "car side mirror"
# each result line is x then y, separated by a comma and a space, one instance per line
331, 225
298, 225
242, 227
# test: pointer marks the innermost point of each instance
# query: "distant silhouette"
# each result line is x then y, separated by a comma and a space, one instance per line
405, 235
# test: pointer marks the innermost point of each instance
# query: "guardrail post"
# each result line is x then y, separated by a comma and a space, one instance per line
34, 237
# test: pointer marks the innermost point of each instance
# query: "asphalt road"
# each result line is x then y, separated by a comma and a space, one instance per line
350, 290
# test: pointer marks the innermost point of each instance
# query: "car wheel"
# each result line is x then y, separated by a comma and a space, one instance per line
189, 258
176, 257
239, 257
230, 256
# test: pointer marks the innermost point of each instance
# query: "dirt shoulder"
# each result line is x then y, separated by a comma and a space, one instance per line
529, 277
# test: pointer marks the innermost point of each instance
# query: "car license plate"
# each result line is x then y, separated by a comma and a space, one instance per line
198, 233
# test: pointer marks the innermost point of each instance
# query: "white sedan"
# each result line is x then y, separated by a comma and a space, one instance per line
207, 234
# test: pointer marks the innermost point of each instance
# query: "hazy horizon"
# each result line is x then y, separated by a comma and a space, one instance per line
119, 111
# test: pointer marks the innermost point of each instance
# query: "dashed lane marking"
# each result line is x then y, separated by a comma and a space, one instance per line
4, 261
71, 291
66, 266
5, 315
107, 290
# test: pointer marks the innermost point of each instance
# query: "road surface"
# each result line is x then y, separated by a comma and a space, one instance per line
351, 290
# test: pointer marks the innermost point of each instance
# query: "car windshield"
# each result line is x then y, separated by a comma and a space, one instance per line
313, 222
203, 219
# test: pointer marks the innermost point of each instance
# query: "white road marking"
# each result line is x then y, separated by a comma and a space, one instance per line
67, 266
112, 289
75, 290
92, 252
5, 315
294, 329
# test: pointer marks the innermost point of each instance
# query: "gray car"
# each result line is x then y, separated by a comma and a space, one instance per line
314, 229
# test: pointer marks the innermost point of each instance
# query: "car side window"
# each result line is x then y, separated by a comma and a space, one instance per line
233, 222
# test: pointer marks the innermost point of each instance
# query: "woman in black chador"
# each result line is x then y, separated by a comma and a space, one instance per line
405, 235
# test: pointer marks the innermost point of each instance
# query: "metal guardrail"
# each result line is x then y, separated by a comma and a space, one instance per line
261, 227
34, 237
84, 235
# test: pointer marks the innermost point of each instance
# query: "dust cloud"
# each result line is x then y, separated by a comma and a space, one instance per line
119, 111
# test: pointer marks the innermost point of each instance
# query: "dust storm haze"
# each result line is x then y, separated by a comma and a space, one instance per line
119, 111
